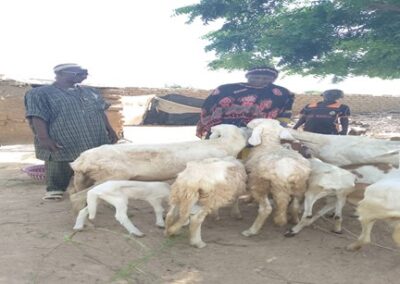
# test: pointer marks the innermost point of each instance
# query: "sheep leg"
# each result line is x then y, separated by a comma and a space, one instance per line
92, 200
235, 212
365, 236
195, 228
80, 220
215, 214
396, 234
121, 209
264, 210
172, 216
158, 210
78, 200
81, 182
340, 202
294, 210
327, 208
282, 203
184, 213
306, 219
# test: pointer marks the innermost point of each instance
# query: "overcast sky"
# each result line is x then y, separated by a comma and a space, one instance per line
134, 43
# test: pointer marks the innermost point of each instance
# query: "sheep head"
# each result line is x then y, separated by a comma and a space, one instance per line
270, 128
223, 130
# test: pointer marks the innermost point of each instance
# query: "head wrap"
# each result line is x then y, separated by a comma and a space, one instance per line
62, 67
263, 71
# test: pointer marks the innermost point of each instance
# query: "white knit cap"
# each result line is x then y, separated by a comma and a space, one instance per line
61, 67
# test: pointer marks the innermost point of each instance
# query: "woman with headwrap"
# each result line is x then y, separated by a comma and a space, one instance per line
239, 103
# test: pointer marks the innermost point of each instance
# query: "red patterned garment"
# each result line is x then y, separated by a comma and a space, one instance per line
239, 103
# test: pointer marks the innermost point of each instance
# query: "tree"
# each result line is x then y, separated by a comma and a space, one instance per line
325, 37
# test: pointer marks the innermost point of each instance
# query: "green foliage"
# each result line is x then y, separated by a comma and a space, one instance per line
325, 37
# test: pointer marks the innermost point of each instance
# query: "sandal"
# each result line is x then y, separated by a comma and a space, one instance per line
53, 195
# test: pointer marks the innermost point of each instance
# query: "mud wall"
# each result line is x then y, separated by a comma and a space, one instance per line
357, 103
14, 128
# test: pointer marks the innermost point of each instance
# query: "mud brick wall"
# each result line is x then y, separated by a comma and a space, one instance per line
357, 103
14, 128
114, 112
13, 125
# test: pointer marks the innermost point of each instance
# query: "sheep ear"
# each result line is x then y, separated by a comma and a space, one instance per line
255, 138
286, 135
214, 133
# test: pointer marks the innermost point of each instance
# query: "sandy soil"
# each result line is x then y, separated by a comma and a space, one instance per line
38, 244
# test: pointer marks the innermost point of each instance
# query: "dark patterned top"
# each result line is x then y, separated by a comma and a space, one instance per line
240, 103
75, 118
324, 118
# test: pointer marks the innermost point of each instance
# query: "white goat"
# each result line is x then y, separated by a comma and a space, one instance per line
381, 202
117, 193
150, 162
367, 174
325, 180
274, 169
211, 184
342, 150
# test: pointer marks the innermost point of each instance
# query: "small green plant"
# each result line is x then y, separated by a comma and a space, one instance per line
132, 267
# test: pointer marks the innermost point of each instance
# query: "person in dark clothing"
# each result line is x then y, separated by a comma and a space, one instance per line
327, 116
239, 103
67, 119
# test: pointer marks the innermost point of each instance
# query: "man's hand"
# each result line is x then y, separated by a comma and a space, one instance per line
112, 136
49, 144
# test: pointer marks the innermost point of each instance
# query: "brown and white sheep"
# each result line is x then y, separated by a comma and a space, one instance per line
209, 184
276, 170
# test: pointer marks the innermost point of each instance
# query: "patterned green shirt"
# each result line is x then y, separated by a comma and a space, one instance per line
75, 119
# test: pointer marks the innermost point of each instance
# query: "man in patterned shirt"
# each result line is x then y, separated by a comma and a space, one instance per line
66, 120
327, 116
239, 103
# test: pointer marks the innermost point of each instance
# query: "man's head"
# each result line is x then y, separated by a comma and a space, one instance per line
261, 76
332, 95
71, 73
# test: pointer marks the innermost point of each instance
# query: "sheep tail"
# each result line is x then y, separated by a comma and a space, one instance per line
186, 207
185, 199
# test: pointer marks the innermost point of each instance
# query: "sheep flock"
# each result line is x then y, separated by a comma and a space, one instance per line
197, 178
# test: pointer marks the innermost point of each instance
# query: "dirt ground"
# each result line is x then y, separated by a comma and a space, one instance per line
38, 245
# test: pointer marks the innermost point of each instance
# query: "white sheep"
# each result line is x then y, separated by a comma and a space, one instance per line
381, 202
343, 150
209, 184
149, 162
117, 193
276, 170
325, 180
